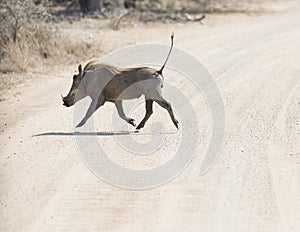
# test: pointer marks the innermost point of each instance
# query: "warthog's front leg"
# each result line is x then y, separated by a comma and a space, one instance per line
149, 111
122, 114
95, 104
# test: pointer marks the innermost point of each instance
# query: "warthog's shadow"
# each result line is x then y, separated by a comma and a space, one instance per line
104, 133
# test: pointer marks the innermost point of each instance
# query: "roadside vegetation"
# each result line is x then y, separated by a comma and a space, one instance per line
30, 33
28, 38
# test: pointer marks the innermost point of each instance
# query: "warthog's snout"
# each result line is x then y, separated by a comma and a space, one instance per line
67, 101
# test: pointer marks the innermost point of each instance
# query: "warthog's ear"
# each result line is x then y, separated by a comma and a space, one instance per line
80, 69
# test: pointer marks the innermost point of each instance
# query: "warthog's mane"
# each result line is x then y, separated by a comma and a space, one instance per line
98, 65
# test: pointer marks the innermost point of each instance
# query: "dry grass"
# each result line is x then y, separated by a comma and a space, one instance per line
27, 38
194, 6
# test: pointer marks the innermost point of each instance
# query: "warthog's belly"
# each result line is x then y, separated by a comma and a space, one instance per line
123, 91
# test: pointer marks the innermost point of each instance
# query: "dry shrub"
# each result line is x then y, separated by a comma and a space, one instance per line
22, 37
27, 38
193, 6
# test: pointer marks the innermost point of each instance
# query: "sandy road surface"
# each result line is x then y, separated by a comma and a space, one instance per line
254, 185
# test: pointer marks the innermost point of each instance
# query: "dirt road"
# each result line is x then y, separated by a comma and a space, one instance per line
253, 186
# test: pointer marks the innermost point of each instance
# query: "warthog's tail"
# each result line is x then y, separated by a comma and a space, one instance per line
162, 68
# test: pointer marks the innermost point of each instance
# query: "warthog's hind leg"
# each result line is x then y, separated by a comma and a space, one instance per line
149, 111
122, 114
163, 103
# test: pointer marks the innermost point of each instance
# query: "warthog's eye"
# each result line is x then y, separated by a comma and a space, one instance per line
74, 77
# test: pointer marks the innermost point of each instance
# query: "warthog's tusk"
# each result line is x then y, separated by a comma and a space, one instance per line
62, 98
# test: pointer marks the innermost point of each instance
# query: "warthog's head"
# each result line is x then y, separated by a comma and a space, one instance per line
75, 94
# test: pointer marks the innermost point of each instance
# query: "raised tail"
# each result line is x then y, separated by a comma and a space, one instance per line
162, 68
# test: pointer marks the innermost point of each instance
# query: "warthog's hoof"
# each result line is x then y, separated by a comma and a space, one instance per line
80, 124
140, 126
176, 123
131, 121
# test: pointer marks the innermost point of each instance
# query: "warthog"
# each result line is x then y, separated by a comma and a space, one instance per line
103, 82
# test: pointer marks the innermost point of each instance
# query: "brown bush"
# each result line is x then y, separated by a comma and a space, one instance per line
27, 38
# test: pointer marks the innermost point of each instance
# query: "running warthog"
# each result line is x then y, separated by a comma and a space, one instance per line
103, 82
